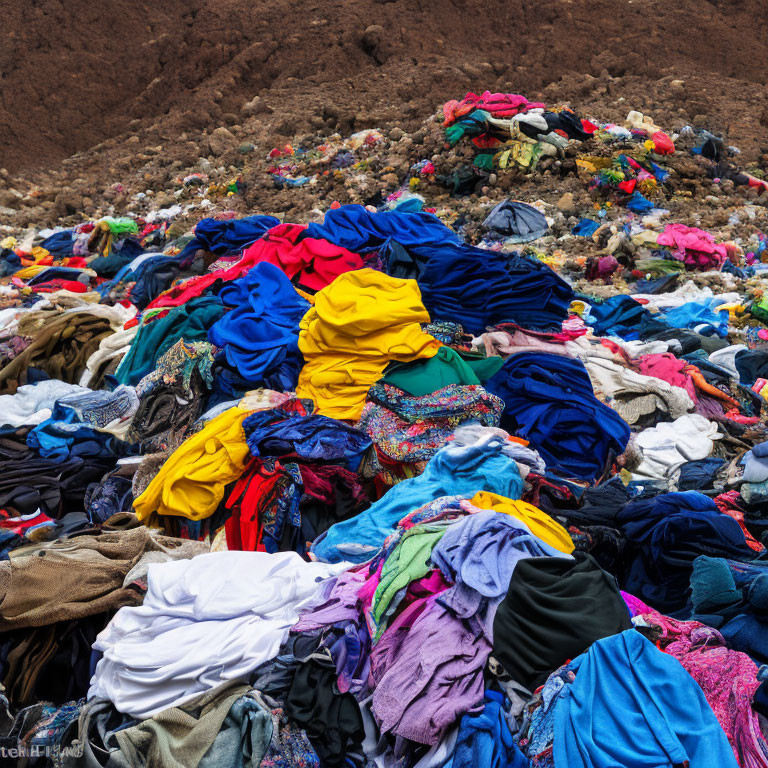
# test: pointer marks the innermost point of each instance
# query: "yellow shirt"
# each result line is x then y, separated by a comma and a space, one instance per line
360, 322
539, 522
192, 481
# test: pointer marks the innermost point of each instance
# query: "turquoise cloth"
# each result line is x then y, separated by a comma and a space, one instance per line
190, 322
634, 706
453, 470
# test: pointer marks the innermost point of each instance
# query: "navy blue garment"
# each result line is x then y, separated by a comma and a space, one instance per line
478, 288
222, 237
229, 386
733, 597
752, 364
485, 739
10, 262
665, 534
698, 475
127, 275
59, 273
656, 285
112, 495
567, 122
260, 335
8, 542
549, 401
55, 440
314, 438
401, 262
760, 700
748, 633
731, 268
60, 243
358, 230
73, 426
122, 252
154, 276
622, 316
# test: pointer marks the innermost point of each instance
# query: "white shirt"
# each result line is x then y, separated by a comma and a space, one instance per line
204, 621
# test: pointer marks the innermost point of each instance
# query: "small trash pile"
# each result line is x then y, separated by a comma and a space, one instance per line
391, 489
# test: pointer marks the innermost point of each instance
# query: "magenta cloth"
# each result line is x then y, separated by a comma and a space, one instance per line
311, 264
635, 605
413, 603
727, 678
499, 105
670, 369
695, 247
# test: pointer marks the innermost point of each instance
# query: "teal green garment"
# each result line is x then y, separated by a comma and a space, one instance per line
410, 560
470, 125
190, 322
447, 367
484, 161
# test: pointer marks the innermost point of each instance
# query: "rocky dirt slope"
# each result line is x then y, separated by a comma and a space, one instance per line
78, 72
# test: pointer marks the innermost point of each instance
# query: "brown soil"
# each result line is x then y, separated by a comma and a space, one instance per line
74, 73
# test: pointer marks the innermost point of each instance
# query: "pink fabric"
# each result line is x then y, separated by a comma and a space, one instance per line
368, 590
668, 368
635, 605
510, 339
497, 104
728, 679
693, 246
728, 504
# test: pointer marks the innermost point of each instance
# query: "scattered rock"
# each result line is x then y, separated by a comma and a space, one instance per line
567, 205
68, 202
220, 141
10, 198
256, 106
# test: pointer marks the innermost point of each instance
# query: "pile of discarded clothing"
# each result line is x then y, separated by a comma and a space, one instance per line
368, 493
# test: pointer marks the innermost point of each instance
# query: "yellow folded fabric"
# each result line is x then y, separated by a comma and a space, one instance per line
192, 481
360, 322
539, 522
25, 273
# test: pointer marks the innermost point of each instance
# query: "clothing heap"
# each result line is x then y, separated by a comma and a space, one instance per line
378, 492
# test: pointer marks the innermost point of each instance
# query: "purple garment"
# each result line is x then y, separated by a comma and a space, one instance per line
429, 671
710, 408
342, 604
428, 676
347, 638
351, 652
478, 554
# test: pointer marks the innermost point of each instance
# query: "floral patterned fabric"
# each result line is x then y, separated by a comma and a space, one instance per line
408, 429
290, 747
